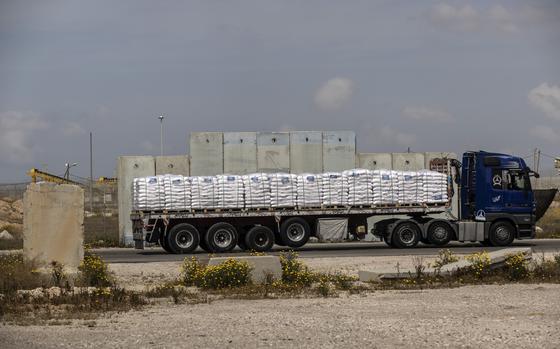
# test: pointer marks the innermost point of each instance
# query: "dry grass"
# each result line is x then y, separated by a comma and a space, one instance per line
550, 224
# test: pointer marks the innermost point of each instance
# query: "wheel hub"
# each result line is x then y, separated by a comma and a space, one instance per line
407, 236
296, 232
440, 233
502, 233
223, 238
184, 239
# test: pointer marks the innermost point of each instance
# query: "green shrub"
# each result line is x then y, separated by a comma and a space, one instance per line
18, 274
480, 264
516, 266
445, 256
294, 271
94, 271
231, 273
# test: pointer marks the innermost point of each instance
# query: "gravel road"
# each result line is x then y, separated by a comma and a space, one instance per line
495, 316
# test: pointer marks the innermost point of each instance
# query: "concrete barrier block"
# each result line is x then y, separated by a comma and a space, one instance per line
53, 224
261, 266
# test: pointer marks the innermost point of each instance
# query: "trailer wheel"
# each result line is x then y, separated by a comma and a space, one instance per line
295, 232
221, 237
501, 234
163, 244
405, 235
204, 246
259, 239
440, 233
183, 238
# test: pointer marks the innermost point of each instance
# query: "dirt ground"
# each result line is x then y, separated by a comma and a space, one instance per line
494, 316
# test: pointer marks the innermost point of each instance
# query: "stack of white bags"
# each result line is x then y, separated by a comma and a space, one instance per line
257, 190
435, 187
359, 184
333, 189
177, 194
203, 192
229, 191
358, 187
386, 187
283, 190
148, 193
308, 190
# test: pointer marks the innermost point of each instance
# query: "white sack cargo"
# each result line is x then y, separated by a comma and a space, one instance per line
308, 190
359, 183
229, 192
177, 192
283, 190
148, 193
412, 187
256, 188
386, 187
333, 190
435, 187
203, 192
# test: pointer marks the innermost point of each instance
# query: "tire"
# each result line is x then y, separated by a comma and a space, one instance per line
387, 241
501, 234
278, 239
183, 238
221, 237
405, 235
440, 233
259, 239
295, 232
163, 244
485, 243
204, 246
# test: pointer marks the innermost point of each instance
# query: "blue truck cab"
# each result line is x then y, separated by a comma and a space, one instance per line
496, 190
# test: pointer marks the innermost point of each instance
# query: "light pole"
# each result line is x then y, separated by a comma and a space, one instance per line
161, 117
68, 167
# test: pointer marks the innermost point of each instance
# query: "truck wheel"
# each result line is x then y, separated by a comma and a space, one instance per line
163, 244
204, 246
295, 232
406, 235
221, 237
501, 234
440, 233
183, 238
259, 238
387, 241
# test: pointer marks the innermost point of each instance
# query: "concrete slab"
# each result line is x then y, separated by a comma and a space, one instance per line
53, 224
128, 168
497, 260
207, 153
339, 150
408, 161
240, 152
262, 265
173, 164
375, 161
273, 152
306, 152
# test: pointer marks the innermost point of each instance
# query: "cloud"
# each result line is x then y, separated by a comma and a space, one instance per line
545, 133
467, 18
423, 113
334, 94
73, 129
501, 18
389, 135
17, 129
546, 98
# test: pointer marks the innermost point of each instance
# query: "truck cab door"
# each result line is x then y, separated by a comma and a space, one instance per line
518, 196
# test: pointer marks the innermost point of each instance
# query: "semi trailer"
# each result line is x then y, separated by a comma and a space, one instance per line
490, 201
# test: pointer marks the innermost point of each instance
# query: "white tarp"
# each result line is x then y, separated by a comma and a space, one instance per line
332, 229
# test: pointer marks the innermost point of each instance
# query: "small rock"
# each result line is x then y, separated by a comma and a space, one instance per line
5, 235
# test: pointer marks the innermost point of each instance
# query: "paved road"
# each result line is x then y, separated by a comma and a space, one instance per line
156, 254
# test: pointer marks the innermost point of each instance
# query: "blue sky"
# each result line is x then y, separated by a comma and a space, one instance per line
429, 75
